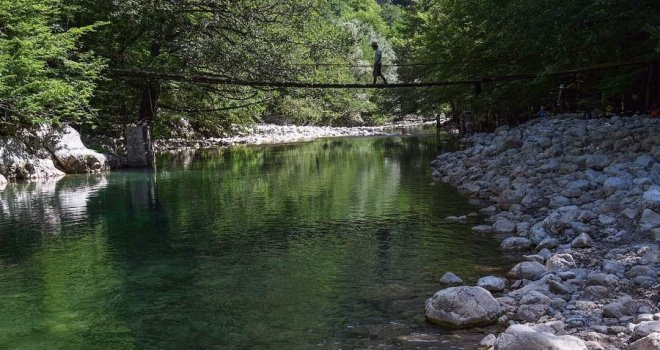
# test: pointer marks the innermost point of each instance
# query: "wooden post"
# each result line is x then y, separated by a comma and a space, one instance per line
139, 148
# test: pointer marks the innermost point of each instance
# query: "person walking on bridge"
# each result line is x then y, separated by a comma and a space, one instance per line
378, 63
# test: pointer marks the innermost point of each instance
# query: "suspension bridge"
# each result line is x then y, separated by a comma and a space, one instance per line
213, 79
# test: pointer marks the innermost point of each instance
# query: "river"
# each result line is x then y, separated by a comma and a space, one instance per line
331, 244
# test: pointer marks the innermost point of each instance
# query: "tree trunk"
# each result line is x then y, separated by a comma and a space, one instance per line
151, 93
149, 103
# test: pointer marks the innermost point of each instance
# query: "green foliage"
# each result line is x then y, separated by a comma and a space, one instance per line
52, 53
45, 76
490, 38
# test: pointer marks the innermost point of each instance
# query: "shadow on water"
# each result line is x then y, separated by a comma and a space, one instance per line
328, 244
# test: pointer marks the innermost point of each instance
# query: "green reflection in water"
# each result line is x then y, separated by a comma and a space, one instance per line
328, 244
65, 296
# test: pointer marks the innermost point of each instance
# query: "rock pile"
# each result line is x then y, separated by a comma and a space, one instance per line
583, 197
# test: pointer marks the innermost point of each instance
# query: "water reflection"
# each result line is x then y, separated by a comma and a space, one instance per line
328, 244
50, 203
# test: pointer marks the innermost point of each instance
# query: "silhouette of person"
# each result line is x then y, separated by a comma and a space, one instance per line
378, 63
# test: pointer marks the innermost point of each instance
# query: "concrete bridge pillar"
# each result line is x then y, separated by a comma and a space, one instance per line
139, 149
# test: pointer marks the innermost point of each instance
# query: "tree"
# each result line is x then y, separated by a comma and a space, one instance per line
467, 40
45, 76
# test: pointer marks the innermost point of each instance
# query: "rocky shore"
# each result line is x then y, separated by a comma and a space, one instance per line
54, 152
270, 133
581, 198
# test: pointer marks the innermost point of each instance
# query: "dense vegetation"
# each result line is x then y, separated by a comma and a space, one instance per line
57, 59
490, 38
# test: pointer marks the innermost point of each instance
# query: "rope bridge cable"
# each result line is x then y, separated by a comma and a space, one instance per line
344, 65
218, 80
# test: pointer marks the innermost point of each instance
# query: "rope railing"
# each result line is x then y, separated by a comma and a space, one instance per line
218, 80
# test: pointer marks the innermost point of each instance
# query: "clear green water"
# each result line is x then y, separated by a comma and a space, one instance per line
323, 245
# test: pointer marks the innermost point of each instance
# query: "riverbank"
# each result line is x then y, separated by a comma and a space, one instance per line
271, 134
582, 199
54, 152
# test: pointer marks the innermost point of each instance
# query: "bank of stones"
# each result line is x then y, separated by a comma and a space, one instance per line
582, 199
271, 134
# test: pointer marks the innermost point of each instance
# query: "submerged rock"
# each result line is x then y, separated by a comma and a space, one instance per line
482, 229
450, 279
462, 307
516, 243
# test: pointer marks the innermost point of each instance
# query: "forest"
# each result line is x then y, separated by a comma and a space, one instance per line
59, 61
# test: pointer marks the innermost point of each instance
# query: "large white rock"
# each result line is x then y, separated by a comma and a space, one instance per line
462, 307
520, 337
72, 155
482, 229
18, 161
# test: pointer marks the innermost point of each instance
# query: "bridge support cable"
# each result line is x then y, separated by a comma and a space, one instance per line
218, 80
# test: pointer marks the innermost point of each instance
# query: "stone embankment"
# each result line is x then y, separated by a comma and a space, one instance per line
48, 153
581, 198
